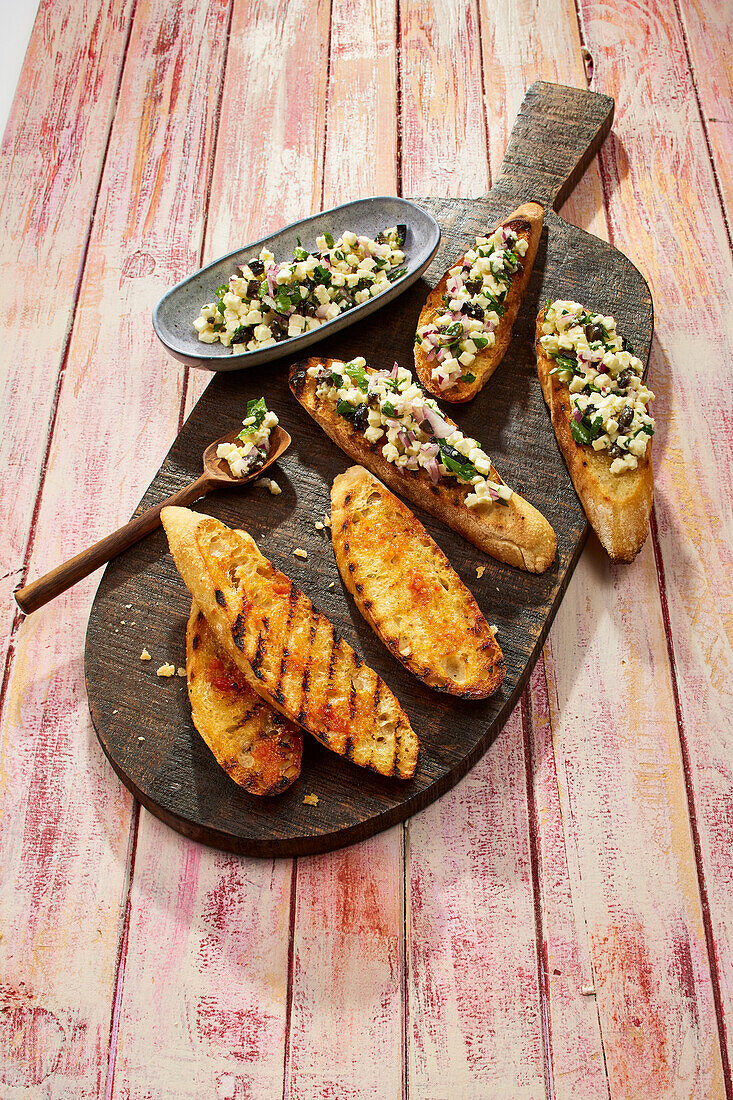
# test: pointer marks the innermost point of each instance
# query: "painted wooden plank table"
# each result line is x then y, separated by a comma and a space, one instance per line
561, 923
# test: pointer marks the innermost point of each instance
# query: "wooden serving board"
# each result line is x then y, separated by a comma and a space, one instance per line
143, 721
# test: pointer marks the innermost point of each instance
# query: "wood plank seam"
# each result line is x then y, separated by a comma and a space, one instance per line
694, 828
405, 961
398, 77
121, 961
290, 988
534, 864
703, 123
325, 105
484, 112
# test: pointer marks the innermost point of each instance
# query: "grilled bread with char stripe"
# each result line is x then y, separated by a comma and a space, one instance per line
257, 748
515, 533
287, 651
406, 589
526, 221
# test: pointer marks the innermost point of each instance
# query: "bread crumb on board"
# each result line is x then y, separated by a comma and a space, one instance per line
311, 800
299, 553
494, 629
271, 484
480, 570
326, 521
318, 525
167, 670
145, 656
180, 671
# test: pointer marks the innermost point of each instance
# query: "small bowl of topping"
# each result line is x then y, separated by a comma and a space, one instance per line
284, 292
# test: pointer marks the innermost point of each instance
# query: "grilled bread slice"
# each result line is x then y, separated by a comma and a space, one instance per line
526, 221
286, 650
406, 589
515, 533
618, 507
258, 748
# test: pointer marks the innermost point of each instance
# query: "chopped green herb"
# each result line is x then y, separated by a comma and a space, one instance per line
358, 376
346, 409
456, 463
389, 408
258, 409
468, 377
322, 275
222, 290
329, 240
579, 432
396, 273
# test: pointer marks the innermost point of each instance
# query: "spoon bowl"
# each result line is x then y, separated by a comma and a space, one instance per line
217, 469
176, 311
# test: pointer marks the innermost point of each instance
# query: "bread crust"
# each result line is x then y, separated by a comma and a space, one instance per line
286, 650
526, 221
515, 533
257, 748
618, 506
408, 592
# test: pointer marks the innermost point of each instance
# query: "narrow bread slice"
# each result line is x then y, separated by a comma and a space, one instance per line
287, 651
618, 506
407, 591
514, 532
526, 222
257, 748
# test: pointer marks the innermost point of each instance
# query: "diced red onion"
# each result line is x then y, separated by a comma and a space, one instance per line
577, 416
321, 312
272, 278
430, 450
395, 369
433, 469
402, 436
438, 426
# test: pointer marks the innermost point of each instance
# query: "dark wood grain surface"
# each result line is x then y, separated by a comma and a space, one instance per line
143, 721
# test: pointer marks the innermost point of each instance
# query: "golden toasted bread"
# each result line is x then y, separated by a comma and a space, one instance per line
258, 748
286, 650
514, 532
406, 589
618, 507
526, 221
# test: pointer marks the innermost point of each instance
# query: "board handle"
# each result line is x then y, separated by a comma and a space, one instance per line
556, 134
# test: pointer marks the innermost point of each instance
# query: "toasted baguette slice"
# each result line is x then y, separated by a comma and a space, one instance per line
406, 589
515, 533
286, 650
526, 221
618, 506
258, 748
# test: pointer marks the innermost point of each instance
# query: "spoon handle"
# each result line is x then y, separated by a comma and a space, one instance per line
52, 584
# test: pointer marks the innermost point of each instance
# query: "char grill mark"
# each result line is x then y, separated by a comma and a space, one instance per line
306, 677
220, 597
239, 630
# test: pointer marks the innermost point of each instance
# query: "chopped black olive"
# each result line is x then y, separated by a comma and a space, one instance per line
256, 267
239, 336
253, 288
625, 416
623, 379
401, 234
626, 346
474, 286
471, 309
361, 417
309, 309
594, 332
615, 451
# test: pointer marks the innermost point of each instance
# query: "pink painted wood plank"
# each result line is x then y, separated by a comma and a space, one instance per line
708, 27
206, 976
664, 212
50, 160
444, 149
230, 1041
474, 1025
66, 818
474, 1022
574, 1047
346, 1035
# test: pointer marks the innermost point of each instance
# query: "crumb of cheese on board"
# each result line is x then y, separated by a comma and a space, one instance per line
311, 800
167, 670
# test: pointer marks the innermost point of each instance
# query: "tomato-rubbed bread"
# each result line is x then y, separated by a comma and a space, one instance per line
407, 591
257, 748
466, 324
600, 421
511, 530
287, 651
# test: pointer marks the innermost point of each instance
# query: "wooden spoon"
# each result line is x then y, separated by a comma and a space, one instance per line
216, 473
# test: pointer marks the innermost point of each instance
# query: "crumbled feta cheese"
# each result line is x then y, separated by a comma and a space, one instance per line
311, 800
145, 656
299, 553
167, 670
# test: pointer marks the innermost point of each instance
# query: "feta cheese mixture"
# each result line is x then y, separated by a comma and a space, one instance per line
269, 301
608, 398
474, 303
251, 453
395, 413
